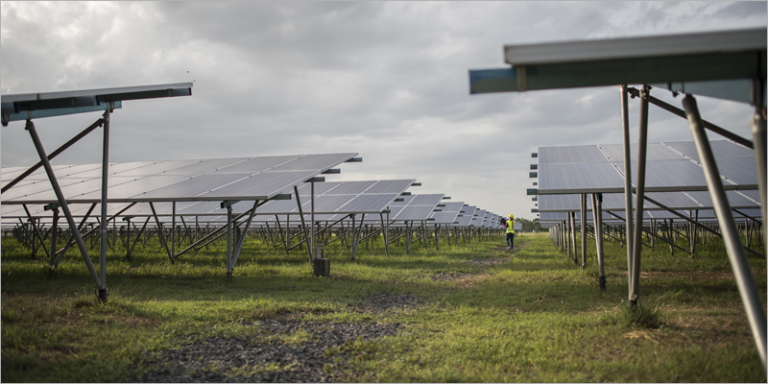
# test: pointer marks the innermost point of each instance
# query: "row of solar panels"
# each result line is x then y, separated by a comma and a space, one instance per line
674, 179
197, 188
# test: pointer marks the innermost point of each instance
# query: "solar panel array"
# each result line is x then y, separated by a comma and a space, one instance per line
674, 178
669, 167
448, 214
174, 180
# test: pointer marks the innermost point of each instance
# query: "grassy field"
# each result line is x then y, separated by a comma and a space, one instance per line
488, 315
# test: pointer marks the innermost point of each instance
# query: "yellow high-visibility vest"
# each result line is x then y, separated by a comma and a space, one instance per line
511, 226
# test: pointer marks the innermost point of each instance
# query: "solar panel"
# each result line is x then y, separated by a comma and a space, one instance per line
179, 180
567, 170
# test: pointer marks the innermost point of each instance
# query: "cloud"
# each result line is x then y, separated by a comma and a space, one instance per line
386, 79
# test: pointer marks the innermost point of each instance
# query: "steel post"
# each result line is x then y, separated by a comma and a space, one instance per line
62, 202
54, 229
742, 272
634, 289
597, 215
173, 227
759, 136
573, 237
229, 239
627, 182
171, 256
312, 218
242, 238
303, 225
104, 186
584, 230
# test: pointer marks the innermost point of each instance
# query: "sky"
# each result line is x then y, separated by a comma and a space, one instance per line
388, 80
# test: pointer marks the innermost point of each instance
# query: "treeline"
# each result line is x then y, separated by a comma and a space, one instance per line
530, 225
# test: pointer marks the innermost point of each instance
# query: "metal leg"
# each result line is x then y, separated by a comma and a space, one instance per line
597, 216
759, 135
54, 229
384, 229
627, 182
242, 238
573, 237
739, 263
634, 289
312, 220
62, 203
584, 230
160, 233
36, 231
357, 238
229, 239
303, 225
53, 154
173, 228
104, 187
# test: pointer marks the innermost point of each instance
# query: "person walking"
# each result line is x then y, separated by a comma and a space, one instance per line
510, 224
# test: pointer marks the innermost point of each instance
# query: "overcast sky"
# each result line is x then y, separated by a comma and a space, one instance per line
388, 80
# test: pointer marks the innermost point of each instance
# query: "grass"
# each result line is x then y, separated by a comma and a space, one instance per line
534, 317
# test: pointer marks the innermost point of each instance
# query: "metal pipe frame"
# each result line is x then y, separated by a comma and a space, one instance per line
53, 154
138, 237
62, 202
597, 202
634, 289
36, 229
303, 224
583, 200
712, 127
742, 272
629, 227
357, 237
573, 237
71, 240
104, 187
313, 254
242, 238
161, 234
229, 238
54, 229
759, 135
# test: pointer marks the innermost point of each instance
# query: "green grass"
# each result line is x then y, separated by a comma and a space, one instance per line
537, 317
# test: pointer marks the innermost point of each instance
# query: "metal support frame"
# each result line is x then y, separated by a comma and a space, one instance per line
104, 187
303, 224
741, 270
759, 136
385, 226
597, 216
677, 111
313, 254
573, 237
36, 231
240, 243
62, 202
173, 227
54, 228
229, 239
629, 227
161, 234
53, 154
138, 237
583, 199
356, 238
634, 289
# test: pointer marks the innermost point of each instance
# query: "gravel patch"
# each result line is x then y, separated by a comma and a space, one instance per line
388, 302
285, 350
492, 261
